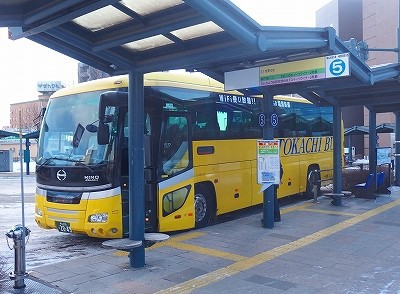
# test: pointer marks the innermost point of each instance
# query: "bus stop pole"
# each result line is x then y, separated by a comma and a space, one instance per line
268, 134
27, 154
136, 167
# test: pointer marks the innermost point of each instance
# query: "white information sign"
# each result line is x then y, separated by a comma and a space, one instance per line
324, 67
337, 65
268, 163
49, 86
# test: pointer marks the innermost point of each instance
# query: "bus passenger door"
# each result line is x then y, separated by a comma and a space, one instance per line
176, 186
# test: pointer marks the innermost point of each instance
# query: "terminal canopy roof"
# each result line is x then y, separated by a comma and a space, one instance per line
363, 130
381, 96
211, 36
386, 128
356, 130
144, 35
5, 134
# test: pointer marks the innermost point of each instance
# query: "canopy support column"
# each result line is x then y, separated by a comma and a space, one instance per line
397, 150
337, 152
350, 149
337, 148
372, 141
136, 167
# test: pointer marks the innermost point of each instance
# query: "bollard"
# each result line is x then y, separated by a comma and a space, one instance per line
18, 233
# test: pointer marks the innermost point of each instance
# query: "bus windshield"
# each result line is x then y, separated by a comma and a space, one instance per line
69, 132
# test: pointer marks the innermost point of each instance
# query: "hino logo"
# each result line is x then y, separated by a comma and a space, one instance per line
61, 175
91, 178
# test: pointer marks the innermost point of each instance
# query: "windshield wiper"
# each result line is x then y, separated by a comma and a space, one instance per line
80, 163
46, 162
77, 162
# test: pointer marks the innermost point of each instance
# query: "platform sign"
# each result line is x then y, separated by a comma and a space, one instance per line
332, 66
268, 171
292, 72
337, 65
274, 119
262, 120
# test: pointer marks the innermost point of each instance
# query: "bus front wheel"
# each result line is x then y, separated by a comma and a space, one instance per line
203, 206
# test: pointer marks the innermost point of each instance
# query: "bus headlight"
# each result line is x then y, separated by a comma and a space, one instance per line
98, 218
39, 212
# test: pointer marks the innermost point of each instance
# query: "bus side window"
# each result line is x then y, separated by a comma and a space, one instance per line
205, 126
175, 153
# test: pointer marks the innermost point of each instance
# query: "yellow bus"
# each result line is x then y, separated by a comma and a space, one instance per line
200, 153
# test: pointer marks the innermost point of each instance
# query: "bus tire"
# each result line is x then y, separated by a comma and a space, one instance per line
203, 205
309, 194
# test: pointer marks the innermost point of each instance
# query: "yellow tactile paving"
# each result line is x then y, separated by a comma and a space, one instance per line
245, 264
328, 211
207, 251
172, 240
178, 238
296, 207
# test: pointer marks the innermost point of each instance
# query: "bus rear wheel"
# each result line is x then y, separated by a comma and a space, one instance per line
203, 206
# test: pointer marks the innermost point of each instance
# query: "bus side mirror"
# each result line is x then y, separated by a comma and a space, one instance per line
103, 134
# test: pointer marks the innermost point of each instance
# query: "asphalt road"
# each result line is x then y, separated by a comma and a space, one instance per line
43, 246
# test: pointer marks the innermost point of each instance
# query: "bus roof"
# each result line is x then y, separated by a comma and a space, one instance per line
181, 79
194, 80
291, 98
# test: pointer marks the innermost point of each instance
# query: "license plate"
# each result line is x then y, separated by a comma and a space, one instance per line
63, 227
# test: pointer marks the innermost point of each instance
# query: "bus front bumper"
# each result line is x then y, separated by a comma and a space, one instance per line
99, 218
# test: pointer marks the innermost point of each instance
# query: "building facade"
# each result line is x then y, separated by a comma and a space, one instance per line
26, 115
345, 16
380, 24
375, 22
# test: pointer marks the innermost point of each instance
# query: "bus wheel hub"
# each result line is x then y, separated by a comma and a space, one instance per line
200, 207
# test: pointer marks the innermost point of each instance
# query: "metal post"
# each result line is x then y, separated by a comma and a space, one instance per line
397, 150
27, 157
337, 153
136, 167
268, 194
350, 150
372, 143
18, 234
398, 32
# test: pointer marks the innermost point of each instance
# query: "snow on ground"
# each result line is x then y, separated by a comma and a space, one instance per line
17, 166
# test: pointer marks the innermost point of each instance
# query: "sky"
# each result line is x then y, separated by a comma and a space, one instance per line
24, 63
